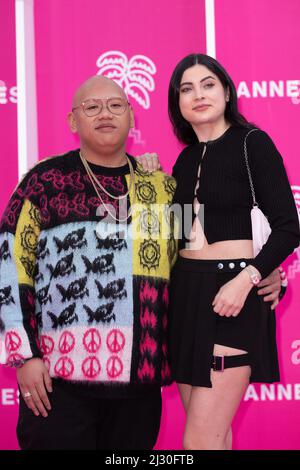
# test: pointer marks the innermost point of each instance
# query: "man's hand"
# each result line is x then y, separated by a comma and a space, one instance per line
149, 162
32, 378
271, 286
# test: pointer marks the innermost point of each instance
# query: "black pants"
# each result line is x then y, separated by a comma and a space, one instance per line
80, 422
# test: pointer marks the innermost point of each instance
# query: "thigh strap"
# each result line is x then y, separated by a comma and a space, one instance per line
219, 363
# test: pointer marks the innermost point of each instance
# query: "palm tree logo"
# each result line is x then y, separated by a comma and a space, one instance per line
135, 76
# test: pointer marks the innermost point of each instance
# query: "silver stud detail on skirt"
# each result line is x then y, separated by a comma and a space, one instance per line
220, 265
243, 264
231, 265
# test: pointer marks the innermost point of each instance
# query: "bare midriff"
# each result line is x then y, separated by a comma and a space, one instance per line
227, 249
200, 249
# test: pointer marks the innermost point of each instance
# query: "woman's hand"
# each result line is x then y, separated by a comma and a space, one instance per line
271, 286
231, 297
149, 162
34, 382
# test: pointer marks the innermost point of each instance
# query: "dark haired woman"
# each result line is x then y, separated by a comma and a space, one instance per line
222, 334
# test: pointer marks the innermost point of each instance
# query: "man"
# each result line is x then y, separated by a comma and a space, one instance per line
84, 287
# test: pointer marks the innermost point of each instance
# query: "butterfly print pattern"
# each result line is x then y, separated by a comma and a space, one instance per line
100, 265
63, 268
103, 314
111, 243
5, 297
76, 290
42, 250
114, 290
66, 317
42, 295
73, 240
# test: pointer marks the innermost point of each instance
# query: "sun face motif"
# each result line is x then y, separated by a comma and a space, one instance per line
146, 192
149, 254
29, 239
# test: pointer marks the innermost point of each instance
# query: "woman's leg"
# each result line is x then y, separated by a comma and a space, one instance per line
210, 411
185, 394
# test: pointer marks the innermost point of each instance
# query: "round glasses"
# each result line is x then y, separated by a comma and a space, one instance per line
93, 107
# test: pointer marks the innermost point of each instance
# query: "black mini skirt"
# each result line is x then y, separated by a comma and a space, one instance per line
194, 327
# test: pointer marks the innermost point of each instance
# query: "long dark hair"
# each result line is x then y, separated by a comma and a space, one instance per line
182, 128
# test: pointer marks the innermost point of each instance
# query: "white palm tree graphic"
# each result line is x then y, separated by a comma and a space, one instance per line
134, 75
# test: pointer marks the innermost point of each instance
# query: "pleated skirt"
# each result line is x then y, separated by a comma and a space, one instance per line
194, 327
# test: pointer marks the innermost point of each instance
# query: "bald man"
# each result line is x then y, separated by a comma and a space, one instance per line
86, 251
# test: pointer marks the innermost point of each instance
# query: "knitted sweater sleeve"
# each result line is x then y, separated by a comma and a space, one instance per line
19, 232
275, 199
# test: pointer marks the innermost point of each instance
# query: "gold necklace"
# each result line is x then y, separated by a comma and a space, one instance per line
97, 182
93, 180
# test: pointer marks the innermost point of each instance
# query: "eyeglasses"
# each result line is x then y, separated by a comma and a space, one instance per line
94, 107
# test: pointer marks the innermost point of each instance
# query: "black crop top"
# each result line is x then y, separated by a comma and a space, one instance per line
224, 190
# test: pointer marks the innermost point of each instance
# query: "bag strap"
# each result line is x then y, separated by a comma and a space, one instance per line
248, 167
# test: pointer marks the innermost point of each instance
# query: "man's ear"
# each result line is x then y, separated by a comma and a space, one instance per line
72, 122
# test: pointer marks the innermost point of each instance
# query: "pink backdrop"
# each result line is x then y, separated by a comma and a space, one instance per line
8, 108
140, 46
8, 181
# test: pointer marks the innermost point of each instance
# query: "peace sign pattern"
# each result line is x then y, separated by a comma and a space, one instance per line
46, 344
88, 354
66, 342
114, 367
15, 346
13, 341
64, 367
92, 340
115, 341
91, 367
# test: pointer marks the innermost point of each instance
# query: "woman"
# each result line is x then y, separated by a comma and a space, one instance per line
222, 334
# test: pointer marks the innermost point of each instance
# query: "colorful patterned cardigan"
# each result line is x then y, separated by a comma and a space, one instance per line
89, 300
